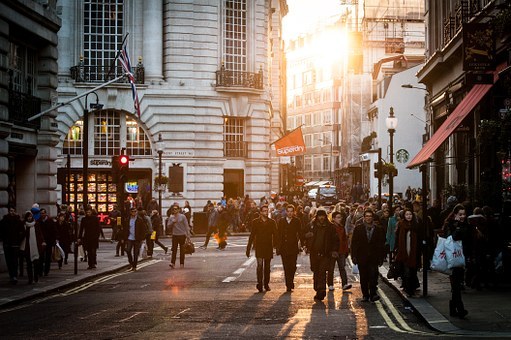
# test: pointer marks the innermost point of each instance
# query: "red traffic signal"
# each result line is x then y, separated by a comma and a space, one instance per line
124, 160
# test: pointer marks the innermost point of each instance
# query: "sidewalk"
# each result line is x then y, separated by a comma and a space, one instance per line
489, 311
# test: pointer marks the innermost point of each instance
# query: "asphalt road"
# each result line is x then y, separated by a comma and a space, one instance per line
214, 297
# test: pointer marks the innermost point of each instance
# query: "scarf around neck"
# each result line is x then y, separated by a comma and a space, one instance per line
32, 241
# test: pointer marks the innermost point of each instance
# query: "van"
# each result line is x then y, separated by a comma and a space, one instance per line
327, 195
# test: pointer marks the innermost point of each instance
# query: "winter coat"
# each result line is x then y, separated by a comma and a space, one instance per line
49, 229
288, 235
263, 236
365, 252
11, 230
343, 239
89, 232
330, 240
411, 259
141, 229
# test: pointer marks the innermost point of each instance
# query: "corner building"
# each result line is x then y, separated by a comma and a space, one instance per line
202, 75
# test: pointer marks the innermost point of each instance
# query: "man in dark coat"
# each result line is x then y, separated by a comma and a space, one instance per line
323, 246
12, 233
89, 236
288, 235
263, 237
368, 252
135, 231
49, 228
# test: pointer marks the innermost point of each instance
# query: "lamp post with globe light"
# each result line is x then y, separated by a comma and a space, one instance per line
391, 123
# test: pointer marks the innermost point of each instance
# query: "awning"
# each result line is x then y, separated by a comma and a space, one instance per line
466, 106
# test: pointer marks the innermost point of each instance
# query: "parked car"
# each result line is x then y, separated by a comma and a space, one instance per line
327, 195
312, 193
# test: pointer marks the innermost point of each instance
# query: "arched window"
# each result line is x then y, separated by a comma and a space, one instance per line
109, 131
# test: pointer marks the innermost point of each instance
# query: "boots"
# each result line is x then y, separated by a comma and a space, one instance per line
452, 309
458, 311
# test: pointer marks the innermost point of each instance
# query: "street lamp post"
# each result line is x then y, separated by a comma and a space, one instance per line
160, 145
85, 154
391, 123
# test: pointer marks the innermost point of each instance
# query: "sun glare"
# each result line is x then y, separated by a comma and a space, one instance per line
330, 47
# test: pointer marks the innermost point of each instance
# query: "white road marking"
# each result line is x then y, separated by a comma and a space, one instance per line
240, 270
131, 317
177, 316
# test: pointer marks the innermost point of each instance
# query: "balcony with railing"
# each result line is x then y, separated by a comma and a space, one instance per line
238, 81
23, 106
236, 149
101, 74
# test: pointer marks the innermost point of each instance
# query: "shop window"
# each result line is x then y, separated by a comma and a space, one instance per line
73, 143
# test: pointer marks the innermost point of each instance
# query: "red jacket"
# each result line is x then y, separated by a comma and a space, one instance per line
343, 239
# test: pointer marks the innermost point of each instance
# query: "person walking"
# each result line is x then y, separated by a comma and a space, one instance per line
289, 234
49, 229
213, 215
88, 236
323, 246
368, 252
263, 237
342, 252
157, 229
135, 230
32, 246
409, 251
180, 231
113, 216
64, 236
12, 233
456, 226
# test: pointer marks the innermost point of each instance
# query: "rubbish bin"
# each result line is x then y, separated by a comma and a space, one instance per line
200, 222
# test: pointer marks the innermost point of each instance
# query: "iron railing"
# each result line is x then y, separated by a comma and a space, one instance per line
23, 106
250, 80
101, 74
236, 149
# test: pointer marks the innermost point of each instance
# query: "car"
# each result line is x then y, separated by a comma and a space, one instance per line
327, 195
312, 193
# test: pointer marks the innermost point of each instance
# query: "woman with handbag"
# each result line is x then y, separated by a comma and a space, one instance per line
408, 251
456, 226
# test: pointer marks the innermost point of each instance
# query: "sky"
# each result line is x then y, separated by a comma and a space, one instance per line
303, 14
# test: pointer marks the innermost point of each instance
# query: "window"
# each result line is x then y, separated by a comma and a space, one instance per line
235, 30
137, 142
234, 143
327, 117
317, 118
308, 119
307, 140
111, 131
103, 33
290, 121
107, 129
326, 162
307, 164
73, 142
316, 162
21, 69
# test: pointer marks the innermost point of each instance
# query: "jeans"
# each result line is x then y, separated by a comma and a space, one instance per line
178, 240
211, 231
263, 271
133, 249
341, 263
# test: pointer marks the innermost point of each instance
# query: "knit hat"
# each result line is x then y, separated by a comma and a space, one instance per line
452, 200
321, 212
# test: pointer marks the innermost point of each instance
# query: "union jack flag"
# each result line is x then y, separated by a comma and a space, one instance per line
126, 66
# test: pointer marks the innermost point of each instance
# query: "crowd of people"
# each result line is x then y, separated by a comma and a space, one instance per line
364, 233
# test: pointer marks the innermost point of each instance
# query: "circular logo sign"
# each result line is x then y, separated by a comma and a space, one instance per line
402, 156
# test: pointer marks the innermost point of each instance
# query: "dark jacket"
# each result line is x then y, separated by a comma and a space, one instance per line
324, 239
263, 237
460, 231
412, 259
288, 235
365, 252
141, 229
157, 225
49, 229
11, 230
89, 232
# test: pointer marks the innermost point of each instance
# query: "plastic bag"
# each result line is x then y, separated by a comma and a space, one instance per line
143, 250
439, 261
454, 253
56, 256
354, 270
153, 235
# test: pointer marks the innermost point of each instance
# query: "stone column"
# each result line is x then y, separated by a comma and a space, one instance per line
153, 40
5, 126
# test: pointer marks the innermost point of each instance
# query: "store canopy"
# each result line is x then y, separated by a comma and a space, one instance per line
466, 106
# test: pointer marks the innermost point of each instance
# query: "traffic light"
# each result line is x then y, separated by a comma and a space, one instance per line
378, 170
124, 167
115, 168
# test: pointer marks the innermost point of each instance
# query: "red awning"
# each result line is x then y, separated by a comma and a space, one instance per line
466, 106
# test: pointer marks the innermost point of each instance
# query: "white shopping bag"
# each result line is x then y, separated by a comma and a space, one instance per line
143, 250
439, 261
454, 253
354, 270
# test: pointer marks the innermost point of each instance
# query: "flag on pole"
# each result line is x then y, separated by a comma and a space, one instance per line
126, 66
291, 144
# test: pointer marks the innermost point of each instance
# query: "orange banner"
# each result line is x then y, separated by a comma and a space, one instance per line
291, 144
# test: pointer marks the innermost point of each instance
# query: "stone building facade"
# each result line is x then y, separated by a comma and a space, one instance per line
205, 77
